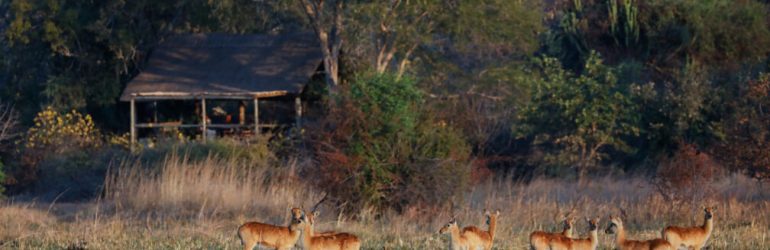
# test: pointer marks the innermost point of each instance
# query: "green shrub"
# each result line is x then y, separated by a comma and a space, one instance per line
62, 131
255, 152
377, 149
56, 141
75, 175
663, 34
578, 120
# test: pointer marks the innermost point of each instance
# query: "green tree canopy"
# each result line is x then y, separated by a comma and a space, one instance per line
577, 120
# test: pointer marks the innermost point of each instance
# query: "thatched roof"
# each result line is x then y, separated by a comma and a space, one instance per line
224, 65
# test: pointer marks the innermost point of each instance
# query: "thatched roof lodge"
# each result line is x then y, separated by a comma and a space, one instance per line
224, 67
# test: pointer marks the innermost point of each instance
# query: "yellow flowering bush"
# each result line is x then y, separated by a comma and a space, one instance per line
56, 129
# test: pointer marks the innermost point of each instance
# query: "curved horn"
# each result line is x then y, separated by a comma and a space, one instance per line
326, 195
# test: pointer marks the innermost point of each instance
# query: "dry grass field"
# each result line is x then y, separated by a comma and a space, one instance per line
188, 205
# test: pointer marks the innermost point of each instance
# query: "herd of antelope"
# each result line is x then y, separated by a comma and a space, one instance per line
300, 230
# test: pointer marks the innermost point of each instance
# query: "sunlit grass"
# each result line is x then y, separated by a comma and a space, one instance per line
199, 205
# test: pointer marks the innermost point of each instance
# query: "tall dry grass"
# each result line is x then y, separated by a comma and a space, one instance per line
199, 205
213, 187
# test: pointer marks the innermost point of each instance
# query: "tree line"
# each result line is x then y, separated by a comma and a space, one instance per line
556, 88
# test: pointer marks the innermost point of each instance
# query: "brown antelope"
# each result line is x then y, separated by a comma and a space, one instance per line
590, 243
276, 237
541, 240
492, 225
328, 240
691, 237
616, 227
457, 240
481, 239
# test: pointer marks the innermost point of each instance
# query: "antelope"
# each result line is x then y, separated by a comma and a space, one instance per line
616, 227
694, 237
327, 240
492, 225
480, 239
590, 243
541, 240
457, 240
483, 239
276, 237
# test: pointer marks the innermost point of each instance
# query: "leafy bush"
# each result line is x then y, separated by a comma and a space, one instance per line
56, 131
687, 175
377, 149
75, 175
54, 136
254, 152
578, 120
746, 146
660, 33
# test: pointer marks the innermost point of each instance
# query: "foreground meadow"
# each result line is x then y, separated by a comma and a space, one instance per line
187, 205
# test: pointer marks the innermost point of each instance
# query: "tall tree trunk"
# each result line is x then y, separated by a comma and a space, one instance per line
329, 35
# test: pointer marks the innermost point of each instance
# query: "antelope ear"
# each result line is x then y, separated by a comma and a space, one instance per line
497, 212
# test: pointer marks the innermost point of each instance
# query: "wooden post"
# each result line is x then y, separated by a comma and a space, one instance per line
203, 119
298, 108
256, 116
132, 131
155, 111
242, 112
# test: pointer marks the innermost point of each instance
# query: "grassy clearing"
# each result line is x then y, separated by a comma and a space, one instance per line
199, 205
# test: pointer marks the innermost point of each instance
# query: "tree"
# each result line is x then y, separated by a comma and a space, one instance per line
662, 34
79, 54
327, 22
746, 146
578, 120
9, 121
377, 149
389, 32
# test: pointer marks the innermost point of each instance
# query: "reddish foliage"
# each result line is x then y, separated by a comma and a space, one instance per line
687, 175
329, 135
480, 171
746, 147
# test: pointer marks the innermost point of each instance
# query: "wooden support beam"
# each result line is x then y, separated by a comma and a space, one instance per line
167, 125
149, 96
241, 112
256, 116
298, 108
133, 124
203, 120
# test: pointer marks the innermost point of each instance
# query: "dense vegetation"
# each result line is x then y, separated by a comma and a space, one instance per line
427, 97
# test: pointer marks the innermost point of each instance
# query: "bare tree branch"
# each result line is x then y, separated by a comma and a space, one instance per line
329, 35
9, 120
